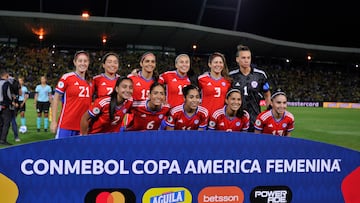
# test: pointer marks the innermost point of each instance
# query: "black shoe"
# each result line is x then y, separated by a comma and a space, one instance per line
5, 142
38, 130
45, 130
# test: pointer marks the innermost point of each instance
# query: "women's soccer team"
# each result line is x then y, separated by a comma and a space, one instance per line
146, 100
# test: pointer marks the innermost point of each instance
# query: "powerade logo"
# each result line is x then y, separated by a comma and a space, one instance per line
110, 195
167, 195
271, 194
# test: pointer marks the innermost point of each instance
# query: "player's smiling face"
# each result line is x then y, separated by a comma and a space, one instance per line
125, 89
192, 99
111, 65
148, 63
216, 65
81, 62
183, 65
279, 104
234, 101
157, 95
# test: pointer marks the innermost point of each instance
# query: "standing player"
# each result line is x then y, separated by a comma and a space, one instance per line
142, 81
149, 114
189, 115
175, 80
253, 83
214, 84
23, 97
106, 113
232, 117
277, 120
103, 84
77, 92
42, 101
145, 77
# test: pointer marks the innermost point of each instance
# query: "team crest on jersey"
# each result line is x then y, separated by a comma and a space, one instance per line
257, 122
254, 84
96, 110
170, 119
237, 123
212, 123
223, 84
161, 116
61, 84
196, 121
284, 125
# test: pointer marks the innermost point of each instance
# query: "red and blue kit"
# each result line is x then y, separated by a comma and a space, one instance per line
100, 112
174, 84
213, 92
144, 118
77, 93
219, 121
141, 87
103, 85
266, 123
179, 120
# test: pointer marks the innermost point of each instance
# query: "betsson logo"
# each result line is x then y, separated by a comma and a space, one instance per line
274, 194
228, 194
110, 195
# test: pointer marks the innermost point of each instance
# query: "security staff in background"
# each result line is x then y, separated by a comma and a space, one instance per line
6, 104
252, 82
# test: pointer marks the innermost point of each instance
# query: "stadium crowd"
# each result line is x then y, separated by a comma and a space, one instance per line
305, 81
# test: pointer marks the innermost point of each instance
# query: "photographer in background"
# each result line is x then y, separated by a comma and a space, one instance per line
15, 89
6, 104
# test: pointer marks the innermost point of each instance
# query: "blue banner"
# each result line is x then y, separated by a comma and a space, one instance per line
178, 166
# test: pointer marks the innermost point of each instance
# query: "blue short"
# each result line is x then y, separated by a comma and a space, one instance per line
64, 133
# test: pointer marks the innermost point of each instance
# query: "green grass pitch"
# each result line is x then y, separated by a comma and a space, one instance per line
333, 126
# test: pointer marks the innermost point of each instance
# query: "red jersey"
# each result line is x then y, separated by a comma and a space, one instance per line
103, 85
145, 119
266, 123
174, 84
100, 112
179, 120
77, 93
213, 92
219, 121
141, 87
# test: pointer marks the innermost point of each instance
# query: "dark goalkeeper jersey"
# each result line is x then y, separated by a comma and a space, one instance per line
252, 87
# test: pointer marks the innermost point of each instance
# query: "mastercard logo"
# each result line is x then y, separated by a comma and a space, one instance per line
111, 195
